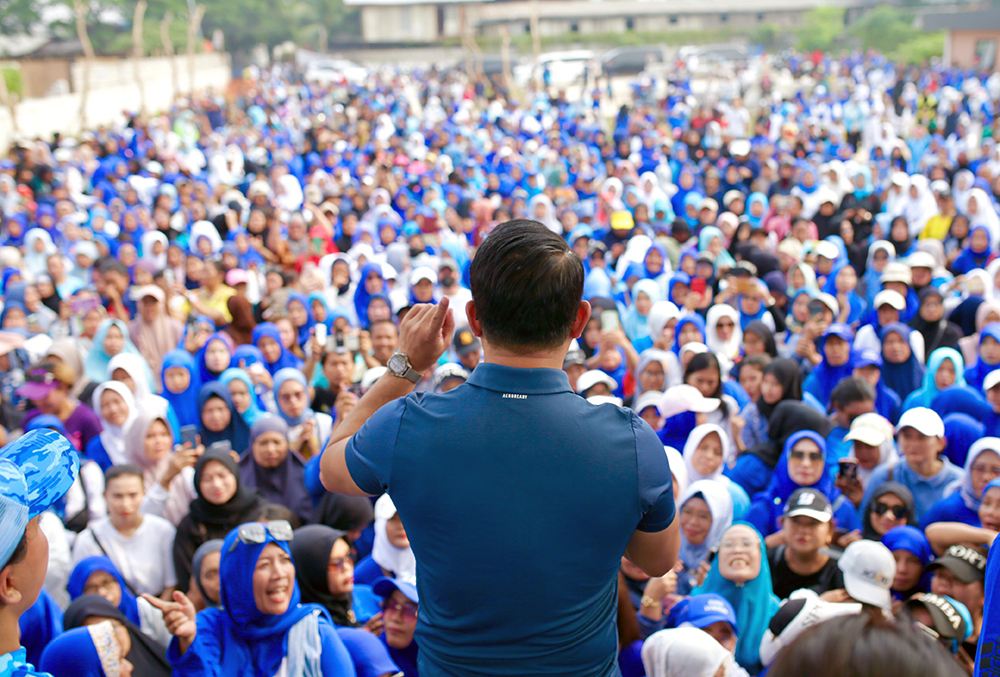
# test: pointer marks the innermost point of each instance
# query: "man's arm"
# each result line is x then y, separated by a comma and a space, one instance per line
655, 553
424, 335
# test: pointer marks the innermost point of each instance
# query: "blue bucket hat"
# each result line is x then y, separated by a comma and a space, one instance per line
36, 470
384, 587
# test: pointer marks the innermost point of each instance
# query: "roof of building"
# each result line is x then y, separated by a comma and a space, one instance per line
395, 3
963, 21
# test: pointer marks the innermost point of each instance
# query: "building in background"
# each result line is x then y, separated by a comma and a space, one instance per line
971, 39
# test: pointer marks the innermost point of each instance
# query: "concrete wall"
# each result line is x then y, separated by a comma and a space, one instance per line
405, 23
961, 49
112, 91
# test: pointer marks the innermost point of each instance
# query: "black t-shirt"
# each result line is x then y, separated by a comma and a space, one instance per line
784, 581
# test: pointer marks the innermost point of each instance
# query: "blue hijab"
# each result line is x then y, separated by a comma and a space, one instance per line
754, 601
905, 377
677, 278
203, 373
824, 377
255, 410
184, 403
244, 356
657, 247
756, 198
253, 643
361, 296
271, 331
74, 653
87, 566
858, 304
913, 541
305, 331
236, 433
976, 374
289, 374
697, 321
96, 366
924, 397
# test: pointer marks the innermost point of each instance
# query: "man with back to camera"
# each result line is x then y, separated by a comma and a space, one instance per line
519, 497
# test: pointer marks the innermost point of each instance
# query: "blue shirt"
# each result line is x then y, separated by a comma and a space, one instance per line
519, 498
926, 490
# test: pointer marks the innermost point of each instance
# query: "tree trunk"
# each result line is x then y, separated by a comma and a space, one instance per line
8, 99
88, 56
194, 24
168, 50
138, 51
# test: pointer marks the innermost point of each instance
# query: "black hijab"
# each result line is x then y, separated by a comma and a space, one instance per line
786, 372
284, 484
147, 657
940, 334
894, 488
311, 551
344, 513
788, 418
236, 510
764, 333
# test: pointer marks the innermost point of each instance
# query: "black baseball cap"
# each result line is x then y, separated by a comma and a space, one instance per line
967, 564
465, 342
948, 622
809, 502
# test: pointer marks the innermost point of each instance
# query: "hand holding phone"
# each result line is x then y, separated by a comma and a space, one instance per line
609, 321
848, 469
189, 436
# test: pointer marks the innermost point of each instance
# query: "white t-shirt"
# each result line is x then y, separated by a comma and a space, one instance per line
145, 559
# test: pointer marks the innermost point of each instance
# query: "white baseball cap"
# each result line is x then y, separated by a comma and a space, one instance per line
605, 399
802, 610
920, 259
650, 398
589, 379
892, 298
827, 250
422, 273
896, 272
925, 421
830, 301
871, 429
682, 398
991, 380
868, 568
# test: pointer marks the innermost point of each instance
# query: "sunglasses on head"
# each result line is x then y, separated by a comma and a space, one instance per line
256, 533
898, 511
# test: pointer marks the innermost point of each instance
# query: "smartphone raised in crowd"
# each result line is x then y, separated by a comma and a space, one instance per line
848, 469
698, 285
321, 333
189, 435
610, 321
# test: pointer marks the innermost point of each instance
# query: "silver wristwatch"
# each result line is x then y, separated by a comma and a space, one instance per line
399, 365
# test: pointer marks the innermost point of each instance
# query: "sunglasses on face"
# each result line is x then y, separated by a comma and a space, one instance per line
811, 456
256, 533
898, 511
407, 609
340, 563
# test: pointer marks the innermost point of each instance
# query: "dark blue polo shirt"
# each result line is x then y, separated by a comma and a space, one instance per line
519, 498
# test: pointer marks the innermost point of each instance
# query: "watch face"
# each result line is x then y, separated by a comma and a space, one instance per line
397, 364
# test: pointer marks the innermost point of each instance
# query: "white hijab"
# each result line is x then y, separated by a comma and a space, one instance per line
694, 439
720, 504
731, 347
684, 652
920, 209
400, 561
113, 436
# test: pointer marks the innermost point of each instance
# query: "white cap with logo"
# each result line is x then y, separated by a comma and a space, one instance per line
869, 569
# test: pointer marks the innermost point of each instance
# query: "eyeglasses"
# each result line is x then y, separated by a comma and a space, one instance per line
340, 563
898, 511
256, 533
811, 456
725, 325
985, 469
742, 543
105, 586
407, 609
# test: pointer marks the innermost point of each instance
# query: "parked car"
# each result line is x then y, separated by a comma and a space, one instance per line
630, 60
325, 72
565, 68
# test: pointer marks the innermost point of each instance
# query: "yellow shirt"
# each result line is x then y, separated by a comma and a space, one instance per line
217, 302
936, 228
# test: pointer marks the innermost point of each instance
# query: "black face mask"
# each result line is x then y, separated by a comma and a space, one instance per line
415, 252
447, 281
343, 290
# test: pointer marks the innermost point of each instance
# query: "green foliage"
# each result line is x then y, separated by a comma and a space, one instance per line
821, 30
12, 76
919, 49
884, 28
16, 16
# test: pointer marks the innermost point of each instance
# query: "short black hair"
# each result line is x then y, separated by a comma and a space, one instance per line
110, 265
116, 471
851, 390
527, 285
758, 362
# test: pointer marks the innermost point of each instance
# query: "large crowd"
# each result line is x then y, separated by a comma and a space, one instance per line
800, 297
